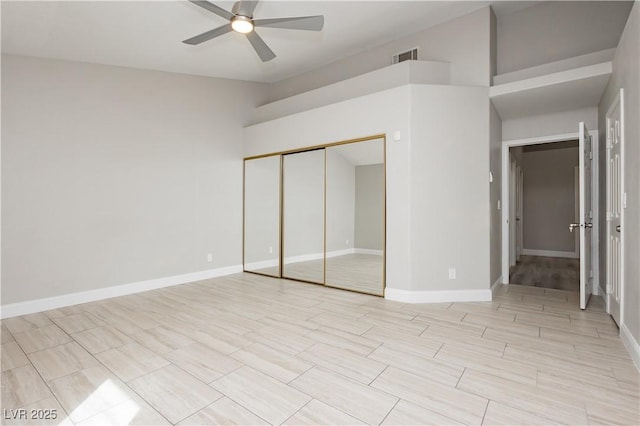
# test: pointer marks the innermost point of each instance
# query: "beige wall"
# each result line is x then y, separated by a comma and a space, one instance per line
113, 175
625, 75
549, 199
556, 30
464, 42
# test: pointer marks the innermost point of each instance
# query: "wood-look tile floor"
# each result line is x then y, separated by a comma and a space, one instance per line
547, 272
357, 272
247, 349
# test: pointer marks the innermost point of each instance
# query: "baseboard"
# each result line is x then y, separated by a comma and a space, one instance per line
437, 296
45, 304
551, 253
630, 343
368, 251
261, 264
496, 286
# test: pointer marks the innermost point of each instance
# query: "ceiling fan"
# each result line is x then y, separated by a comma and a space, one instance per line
241, 20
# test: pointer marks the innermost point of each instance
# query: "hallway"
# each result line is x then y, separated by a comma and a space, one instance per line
547, 272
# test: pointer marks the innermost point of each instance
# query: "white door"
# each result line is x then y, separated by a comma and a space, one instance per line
614, 209
586, 216
512, 215
519, 212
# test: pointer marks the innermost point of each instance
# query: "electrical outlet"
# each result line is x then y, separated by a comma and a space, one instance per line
452, 273
210, 257
347, 242
270, 250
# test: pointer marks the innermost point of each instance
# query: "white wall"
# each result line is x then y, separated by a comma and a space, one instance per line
495, 193
369, 211
113, 175
549, 124
449, 187
625, 75
549, 199
464, 42
555, 30
341, 196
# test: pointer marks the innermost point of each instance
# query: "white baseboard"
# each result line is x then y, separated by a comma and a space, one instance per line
630, 343
262, 264
437, 296
45, 304
335, 253
550, 253
368, 251
496, 285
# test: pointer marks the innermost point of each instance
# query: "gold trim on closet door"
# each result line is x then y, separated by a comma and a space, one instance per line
281, 271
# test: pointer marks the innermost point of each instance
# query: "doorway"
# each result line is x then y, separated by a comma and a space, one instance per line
550, 236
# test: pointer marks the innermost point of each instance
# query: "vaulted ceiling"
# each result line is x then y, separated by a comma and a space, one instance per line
149, 34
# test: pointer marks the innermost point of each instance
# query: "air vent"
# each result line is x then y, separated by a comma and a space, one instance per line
409, 55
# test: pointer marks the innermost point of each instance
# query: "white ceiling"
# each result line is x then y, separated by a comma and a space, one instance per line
148, 34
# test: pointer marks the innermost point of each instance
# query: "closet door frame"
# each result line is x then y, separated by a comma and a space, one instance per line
281, 224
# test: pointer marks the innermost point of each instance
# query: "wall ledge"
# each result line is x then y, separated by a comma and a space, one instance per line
437, 296
47, 303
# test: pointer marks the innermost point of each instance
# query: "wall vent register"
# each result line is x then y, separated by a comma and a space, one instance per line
409, 55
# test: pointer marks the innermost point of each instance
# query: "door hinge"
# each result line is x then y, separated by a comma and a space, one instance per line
591, 273
590, 155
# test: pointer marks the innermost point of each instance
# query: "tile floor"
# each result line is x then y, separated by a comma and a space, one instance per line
247, 349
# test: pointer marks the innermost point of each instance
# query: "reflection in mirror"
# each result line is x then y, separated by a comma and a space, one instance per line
355, 216
303, 216
262, 215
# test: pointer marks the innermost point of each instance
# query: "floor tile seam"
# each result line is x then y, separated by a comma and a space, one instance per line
49, 347
103, 365
53, 394
389, 412
197, 411
503, 402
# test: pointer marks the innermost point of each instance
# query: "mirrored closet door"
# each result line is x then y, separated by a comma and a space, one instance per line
355, 205
318, 215
262, 215
303, 216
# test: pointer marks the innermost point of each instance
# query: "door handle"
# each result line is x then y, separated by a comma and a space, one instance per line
618, 228
573, 226
588, 225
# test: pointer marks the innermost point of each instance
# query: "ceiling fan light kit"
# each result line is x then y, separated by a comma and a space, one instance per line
241, 21
242, 24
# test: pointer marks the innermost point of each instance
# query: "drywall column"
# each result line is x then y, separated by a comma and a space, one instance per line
449, 193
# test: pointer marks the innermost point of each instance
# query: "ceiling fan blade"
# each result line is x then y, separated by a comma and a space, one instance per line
244, 8
308, 23
213, 8
200, 38
261, 48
